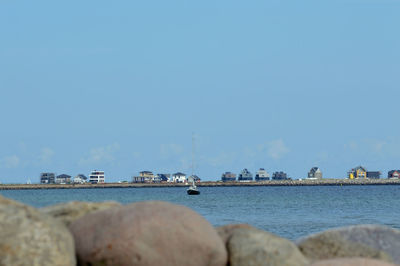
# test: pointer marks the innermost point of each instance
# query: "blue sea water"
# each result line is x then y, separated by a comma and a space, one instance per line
290, 212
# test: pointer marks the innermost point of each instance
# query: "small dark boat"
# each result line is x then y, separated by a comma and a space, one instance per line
192, 190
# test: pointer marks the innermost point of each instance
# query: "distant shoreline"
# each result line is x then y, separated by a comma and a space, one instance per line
296, 182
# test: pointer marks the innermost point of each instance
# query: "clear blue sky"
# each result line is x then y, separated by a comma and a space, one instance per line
121, 86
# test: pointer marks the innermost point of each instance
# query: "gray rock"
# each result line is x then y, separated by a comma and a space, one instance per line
352, 262
367, 241
70, 211
28, 237
250, 246
147, 233
226, 231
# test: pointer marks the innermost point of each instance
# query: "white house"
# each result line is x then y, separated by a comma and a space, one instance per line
63, 179
80, 179
179, 178
97, 177
262, 175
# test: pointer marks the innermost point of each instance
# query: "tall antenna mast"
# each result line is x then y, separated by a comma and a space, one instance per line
192, 154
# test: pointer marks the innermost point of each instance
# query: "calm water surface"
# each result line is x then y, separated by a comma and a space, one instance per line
290, 212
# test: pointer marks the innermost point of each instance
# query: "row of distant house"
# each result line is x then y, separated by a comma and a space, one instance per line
262, 175
149, 177
358, 172
95, 177
245, 175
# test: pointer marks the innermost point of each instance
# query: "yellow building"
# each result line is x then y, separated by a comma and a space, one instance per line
148, 176
144, 177
358, 172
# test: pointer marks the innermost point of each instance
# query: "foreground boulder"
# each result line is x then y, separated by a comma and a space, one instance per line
28, 237
70, 211
367, 241
226, 231
147, 233
249, 246
352, 262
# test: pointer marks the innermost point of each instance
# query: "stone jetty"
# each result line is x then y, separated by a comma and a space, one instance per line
161, 233
294, 182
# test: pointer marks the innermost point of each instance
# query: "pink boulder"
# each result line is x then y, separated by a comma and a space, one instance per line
352, 262
226, 231
147, 233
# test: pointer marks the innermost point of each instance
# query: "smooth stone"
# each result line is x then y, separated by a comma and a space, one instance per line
253, 247
367, 241
70, 211
352, 262
226, 231
28, 237
147, 233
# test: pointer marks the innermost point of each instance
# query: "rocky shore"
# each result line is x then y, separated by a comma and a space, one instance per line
294, 182
161, 233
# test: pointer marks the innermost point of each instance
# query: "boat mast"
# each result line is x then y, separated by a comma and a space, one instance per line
192, 154
193, 159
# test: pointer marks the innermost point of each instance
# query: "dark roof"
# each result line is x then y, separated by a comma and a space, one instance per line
82, 176
245, 171
313, 170
373, 174
392, 171
163, 177
229, 174
146, 172
63, 176
360, 168
47, 174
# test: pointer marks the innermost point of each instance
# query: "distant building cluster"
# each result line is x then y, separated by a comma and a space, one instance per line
315, 173
361, 172
95, 177
246, 176
149, 177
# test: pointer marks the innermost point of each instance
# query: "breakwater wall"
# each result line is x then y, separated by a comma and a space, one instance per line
295, 182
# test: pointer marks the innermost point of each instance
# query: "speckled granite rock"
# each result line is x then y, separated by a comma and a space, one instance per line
352, 262
253, 247
28, 237
70, 211
367, 241
147, 233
